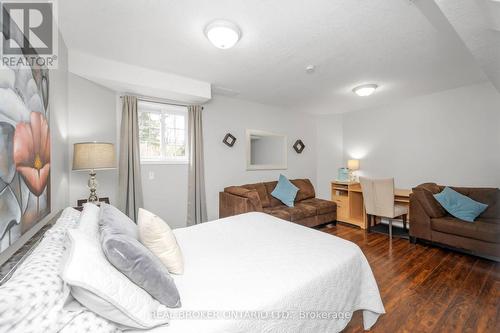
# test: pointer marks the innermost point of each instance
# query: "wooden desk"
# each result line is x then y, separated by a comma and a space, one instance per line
350, 206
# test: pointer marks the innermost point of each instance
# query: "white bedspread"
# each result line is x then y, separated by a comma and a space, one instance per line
256, 262
251, 265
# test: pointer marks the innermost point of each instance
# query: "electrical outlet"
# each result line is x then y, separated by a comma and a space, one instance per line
151, 175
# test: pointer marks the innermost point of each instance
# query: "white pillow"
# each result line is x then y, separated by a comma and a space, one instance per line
157, 236
89, 220
100, 287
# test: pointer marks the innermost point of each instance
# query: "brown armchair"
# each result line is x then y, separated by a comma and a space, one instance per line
308, 210
429, 221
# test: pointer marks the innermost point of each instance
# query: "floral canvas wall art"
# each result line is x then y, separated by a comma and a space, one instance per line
24, 150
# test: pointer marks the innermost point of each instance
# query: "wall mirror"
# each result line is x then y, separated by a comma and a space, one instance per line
266, 150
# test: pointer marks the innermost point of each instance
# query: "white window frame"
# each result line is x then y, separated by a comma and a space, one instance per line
163, 109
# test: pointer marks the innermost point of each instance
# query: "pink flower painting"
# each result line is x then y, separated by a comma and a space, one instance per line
32, 152
25, 195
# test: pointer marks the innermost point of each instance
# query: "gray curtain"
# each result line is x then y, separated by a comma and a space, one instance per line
197, 207
129, 172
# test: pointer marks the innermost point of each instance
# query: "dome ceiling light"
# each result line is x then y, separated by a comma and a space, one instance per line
365, 89
223, 34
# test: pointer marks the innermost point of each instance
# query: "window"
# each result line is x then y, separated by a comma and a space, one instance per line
162, 133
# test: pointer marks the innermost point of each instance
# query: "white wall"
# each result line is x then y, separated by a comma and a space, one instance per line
329, 140
95, 115
166, 194
451, 137
226, 166
92, 117
58, 104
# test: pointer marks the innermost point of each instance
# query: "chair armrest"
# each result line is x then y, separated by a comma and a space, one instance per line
420, 221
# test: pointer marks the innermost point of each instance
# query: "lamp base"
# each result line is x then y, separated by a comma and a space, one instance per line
353, 178
92, 183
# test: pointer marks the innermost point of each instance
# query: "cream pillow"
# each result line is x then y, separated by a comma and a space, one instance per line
157, 236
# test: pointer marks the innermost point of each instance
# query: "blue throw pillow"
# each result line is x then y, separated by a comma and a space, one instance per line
285, 191
459, 205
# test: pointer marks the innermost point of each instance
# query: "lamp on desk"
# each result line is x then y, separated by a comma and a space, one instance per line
352, 165
92, 156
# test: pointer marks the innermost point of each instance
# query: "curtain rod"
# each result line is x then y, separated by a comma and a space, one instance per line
159, 101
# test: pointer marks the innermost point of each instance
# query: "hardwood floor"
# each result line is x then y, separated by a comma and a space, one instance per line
426, 288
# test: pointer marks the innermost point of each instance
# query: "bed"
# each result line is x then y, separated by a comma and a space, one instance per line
246, 273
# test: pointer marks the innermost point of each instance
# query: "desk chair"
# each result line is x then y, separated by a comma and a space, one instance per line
378, 197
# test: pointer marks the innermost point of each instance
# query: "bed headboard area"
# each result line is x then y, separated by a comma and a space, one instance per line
25, 147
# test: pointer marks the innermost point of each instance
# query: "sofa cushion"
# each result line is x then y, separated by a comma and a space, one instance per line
490, 197
279, 212
489, 220
261, 191
306, 189
321, 206
483, 230
425, 197
285, 191
293, 214
459, 205
273, 202
305, 210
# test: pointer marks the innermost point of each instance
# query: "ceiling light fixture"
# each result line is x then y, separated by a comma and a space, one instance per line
223, 34
310, 69
365, 89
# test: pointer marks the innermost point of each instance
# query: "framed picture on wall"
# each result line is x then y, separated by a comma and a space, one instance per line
24, 146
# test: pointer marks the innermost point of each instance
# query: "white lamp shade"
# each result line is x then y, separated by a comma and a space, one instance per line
353, 164
93, 156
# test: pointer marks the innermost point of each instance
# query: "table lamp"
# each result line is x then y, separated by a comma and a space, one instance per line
92, 156
352, 165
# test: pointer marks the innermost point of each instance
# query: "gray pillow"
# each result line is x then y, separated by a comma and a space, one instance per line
137, 263
113, 221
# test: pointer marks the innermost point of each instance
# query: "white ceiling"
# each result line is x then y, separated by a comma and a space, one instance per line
478, 24
388, 42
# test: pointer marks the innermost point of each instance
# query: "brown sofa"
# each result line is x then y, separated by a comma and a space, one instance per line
308, 210
429, 221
